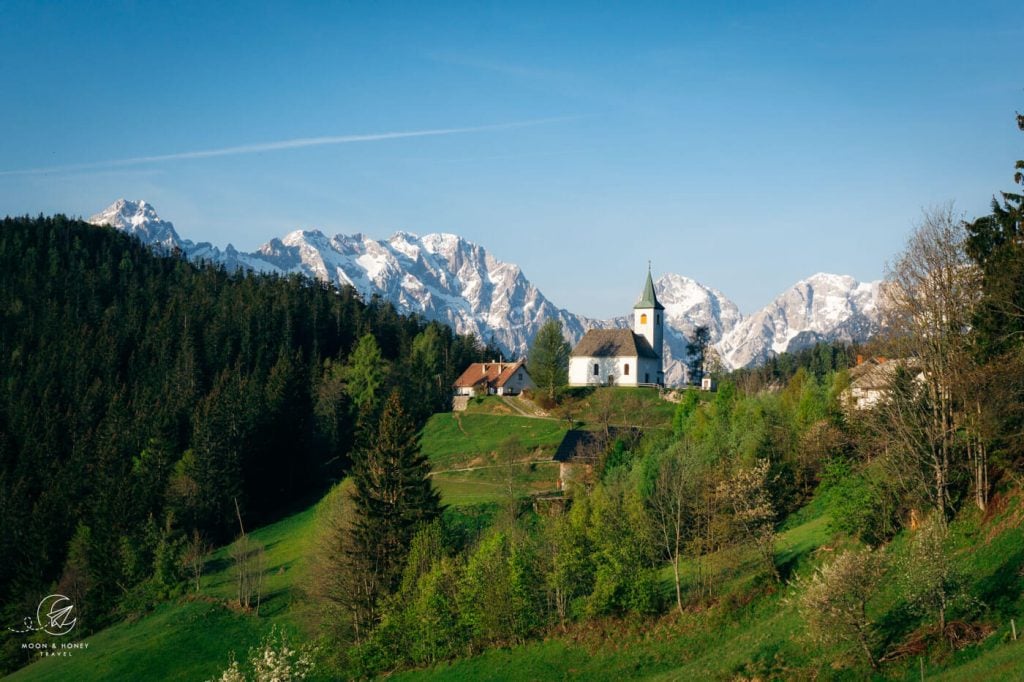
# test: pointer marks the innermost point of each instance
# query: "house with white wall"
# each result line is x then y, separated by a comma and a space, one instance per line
494, 378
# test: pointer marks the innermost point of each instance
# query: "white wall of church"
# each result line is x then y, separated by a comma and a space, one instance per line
613, 370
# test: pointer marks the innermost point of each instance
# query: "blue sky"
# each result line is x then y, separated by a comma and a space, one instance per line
746, 145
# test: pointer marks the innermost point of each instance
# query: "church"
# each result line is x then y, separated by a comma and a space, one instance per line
623, 357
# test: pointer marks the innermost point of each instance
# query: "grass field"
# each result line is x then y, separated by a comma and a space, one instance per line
454, 440
627, 405
195, 635
475, 439
471, 466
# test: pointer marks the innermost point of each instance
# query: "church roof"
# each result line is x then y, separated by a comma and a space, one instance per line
613, 343
649, 299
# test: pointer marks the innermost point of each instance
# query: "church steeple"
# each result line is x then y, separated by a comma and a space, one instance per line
649, 299
648, 323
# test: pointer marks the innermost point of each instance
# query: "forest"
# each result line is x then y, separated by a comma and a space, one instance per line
149, 405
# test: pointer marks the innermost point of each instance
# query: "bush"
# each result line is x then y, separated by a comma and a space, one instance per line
833, 603
274, 659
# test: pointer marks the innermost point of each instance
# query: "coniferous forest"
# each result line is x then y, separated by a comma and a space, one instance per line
148, 404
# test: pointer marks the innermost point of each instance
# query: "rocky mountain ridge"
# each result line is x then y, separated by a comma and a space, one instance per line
447, 278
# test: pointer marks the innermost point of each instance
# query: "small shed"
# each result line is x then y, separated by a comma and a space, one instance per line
581, 450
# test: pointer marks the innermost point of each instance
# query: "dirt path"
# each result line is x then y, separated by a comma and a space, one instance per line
492, 466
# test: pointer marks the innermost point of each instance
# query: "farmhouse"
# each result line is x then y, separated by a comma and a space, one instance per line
494, 378
623, 357
872, 379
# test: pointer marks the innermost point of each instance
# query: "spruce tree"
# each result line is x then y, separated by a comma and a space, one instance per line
392, 498
549, 358
697, 351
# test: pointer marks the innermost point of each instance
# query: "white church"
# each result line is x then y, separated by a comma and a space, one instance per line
623, 357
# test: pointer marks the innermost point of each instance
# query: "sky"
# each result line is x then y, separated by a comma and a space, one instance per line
746, 145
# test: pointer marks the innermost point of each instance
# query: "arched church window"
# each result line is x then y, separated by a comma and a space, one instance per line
643, 318
625, 370
597, 370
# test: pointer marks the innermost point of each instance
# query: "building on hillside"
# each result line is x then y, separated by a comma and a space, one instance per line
494, 378
872, 379
580, 451
624, 357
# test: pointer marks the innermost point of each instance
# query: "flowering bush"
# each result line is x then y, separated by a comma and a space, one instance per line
274, 660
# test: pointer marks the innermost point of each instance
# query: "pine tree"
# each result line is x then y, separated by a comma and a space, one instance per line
392, 498
365, 373
696, 351
549, 358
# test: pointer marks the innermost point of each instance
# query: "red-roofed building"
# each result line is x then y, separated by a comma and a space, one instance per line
499, 378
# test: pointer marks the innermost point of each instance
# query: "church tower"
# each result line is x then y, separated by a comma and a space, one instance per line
649, 322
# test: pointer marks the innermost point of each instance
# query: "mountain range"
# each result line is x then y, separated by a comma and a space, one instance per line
447, 278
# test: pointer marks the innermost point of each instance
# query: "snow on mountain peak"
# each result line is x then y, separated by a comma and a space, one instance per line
140, 219
445, 277
822, 307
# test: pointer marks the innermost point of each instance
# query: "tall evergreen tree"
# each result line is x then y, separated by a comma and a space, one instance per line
365, 372
696, 352
549, 358
392, 498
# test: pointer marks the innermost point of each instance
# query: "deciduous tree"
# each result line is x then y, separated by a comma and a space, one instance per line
833, 602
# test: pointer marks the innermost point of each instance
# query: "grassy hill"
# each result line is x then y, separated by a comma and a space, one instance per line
750, 630
469, 450
471, 465
192, 638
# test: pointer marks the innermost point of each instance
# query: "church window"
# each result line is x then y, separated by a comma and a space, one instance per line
597, 370
625, 370
643, 318
657, 319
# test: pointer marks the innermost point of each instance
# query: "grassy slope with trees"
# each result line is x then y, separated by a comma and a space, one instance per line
749, 629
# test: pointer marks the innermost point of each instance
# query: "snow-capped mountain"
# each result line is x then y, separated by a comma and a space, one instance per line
444, 277
139, 219
822, 307
440, 276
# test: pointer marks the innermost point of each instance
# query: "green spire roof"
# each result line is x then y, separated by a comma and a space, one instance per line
649, 299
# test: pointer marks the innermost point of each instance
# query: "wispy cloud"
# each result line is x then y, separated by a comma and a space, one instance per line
279, 145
